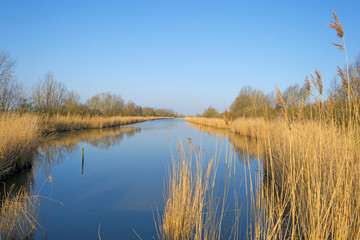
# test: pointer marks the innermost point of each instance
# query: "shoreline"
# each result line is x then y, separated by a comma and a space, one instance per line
24, 133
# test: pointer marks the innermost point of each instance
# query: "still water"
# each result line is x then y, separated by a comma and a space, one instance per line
119, 184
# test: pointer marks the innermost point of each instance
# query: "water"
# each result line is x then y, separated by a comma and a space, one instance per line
120, 184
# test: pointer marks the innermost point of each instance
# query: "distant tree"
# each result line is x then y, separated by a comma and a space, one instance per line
131, 109
165, 113
49, 95
24, 102
210, 112
148, 112
107, 103
72, 103
249, 103
294, 94
339, 90
9, 86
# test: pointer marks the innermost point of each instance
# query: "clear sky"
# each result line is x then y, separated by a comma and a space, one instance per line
183, 55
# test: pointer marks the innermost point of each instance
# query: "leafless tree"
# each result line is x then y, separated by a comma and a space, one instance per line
49, 95
107, 103
9, 86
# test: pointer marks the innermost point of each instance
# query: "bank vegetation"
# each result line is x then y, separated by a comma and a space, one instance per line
310, 184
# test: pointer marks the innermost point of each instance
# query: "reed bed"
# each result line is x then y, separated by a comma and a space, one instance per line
311, 183
20, 136
310, 186
241, 144
60, 123
249, 127
192, 209
18, 215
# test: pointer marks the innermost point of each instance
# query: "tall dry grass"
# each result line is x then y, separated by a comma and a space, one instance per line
18, 215
249, 127
193, 210
20, 136
241, 143
60, 123
310, 184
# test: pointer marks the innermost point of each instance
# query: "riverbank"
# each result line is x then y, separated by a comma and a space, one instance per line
248, 127
22, 134
310, 181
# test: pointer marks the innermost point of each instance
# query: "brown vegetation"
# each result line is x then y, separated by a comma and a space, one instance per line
192, 209
18, 215
310, 185
59, 123
21, 134
249, 127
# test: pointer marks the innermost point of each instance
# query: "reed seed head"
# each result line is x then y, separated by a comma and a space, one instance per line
307, 85
339, 46
226, 118
319, 81
336, 25
280, 100
341, 73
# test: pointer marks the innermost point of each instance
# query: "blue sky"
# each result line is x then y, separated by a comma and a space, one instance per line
183, 55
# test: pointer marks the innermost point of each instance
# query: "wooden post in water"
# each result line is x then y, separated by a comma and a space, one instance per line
82, 165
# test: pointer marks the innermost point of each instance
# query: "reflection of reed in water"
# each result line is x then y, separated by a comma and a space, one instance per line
55, 148
18, 219
96, 137
18, 206
244, 146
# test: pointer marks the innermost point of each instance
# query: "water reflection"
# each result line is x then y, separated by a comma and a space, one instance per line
18, 211
118, 186
246, 148
101, 138
56, 148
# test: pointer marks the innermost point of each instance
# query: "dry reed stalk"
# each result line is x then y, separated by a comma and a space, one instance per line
281, 102
252, 127
59, 123
311, 182
18, 215
336, 25
310, 187
320, 173
20, 136
191, 209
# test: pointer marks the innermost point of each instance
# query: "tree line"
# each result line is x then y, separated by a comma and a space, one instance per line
51, 96
300, 101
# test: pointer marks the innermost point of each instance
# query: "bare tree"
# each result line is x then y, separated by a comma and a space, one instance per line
107, 103
9, 86
49, 95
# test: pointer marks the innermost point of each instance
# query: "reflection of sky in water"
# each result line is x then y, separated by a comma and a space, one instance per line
123, 180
